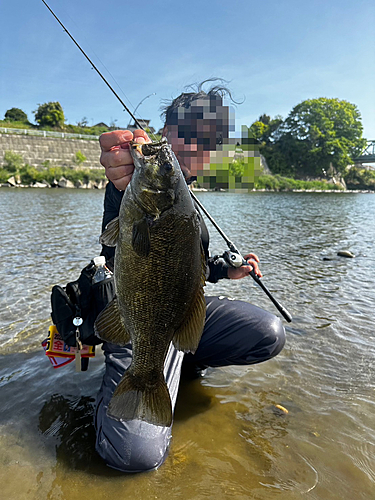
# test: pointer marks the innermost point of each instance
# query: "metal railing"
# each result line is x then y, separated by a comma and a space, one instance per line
46, 133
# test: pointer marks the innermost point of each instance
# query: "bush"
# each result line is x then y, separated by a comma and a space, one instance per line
13, 165
360, 178
30, 174
12, 161
279, 183
16, 115
79, 158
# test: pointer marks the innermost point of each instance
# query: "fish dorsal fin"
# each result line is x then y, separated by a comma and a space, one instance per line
188, 336
110, 235
110, 327
141, 237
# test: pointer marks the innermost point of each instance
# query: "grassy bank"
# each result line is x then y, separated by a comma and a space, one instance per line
28, 175
71, 129
279, 183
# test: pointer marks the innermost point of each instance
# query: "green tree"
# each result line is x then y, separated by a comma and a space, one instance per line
49, 114
16, 115
263, 130
319, 133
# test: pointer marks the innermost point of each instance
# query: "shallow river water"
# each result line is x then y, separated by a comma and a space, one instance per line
229, 439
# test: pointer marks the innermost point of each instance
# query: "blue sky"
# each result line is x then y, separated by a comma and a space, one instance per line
274, 54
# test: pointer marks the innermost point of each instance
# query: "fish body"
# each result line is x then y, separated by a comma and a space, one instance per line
159, 277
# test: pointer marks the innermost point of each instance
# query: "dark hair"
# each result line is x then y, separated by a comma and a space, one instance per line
184, 100
188, 107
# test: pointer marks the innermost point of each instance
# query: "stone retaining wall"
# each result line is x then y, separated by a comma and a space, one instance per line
59, 152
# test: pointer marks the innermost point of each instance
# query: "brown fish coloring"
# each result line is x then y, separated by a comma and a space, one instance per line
159, 277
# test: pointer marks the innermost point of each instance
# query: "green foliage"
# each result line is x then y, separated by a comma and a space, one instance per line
22, 125
4, 175
258, 131
30, 174
73, 174
279, 183
12, 162
264, 128
50, 114
13, 165
360, 178
79, 158
75, 129
317, 134
322, 132
16, 115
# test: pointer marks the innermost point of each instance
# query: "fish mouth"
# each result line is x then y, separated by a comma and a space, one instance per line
138, 148
151, 149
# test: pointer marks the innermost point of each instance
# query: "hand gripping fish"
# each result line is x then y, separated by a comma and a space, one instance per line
159, 278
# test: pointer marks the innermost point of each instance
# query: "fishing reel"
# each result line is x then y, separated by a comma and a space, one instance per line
233, 259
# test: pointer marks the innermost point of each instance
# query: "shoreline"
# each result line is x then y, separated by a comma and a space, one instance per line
102, 185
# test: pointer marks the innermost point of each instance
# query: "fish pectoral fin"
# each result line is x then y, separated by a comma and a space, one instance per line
111, 233
141, 237
188, 336
131, 401
109, 325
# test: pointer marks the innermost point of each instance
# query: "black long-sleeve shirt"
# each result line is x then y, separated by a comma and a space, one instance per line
112, 202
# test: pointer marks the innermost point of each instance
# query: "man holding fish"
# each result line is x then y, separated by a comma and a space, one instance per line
160, 324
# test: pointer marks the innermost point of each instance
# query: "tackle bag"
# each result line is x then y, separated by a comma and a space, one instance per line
83, 299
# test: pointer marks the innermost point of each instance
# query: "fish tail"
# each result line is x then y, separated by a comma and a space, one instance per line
131, 401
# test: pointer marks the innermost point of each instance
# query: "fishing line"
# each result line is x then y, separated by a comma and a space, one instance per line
88, 44
95, 67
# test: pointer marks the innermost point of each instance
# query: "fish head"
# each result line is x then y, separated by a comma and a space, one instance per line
156, 176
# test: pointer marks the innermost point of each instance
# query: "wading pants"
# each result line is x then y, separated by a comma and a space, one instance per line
235, 333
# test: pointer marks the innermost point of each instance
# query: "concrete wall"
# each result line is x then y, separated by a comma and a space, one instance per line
60, 152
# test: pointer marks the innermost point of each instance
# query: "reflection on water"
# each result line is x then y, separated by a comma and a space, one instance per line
70, 422
229, 440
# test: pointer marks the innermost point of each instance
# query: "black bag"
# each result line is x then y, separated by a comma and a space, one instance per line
81, 298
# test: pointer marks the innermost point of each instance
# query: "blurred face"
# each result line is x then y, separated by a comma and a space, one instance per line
196, 131
191, 155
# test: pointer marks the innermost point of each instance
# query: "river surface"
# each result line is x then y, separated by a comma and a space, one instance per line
229, 439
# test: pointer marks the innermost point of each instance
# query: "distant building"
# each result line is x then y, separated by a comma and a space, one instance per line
101, 124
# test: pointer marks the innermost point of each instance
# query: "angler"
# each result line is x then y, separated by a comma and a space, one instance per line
235, 332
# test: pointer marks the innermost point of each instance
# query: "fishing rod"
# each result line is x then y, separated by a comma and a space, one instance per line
93, 65
233, 257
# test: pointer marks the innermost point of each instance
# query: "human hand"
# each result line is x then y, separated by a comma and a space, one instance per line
236, 273
115, 156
